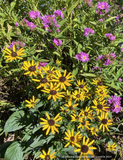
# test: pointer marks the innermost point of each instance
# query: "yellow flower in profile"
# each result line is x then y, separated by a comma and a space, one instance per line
14, 55
44, 81
85, 149
68, 95
63, 80
75, 117
47, 156
31, 68
86, 113
32, 102
104, 121
82, 85
78, 95
51, 123
58, 62
71, 106
94, 130
111, 147
74, 140
49, 71
102, 92
53, 91
100, 106
64, 110
84, 124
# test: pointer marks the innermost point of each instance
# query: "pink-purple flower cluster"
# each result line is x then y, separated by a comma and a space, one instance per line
57, 42
87, 31
115, 103
34, 14
29, 24
97, 67
110, 36
84, 57
102, 6
42, 64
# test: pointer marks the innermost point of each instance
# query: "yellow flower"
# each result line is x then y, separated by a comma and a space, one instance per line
44, 81
31, 68
70, 106
32, 102
73, 139
49, 71
98, 81
75, 117
51, 123
78, 95
64, 110
111, 147
58, 62
82, 85
94, 130
102, 92
85, 149
86, 113
13, 55
68, 95
63, 80
84, 124
104, 121
100, 106
53, 91
47, 155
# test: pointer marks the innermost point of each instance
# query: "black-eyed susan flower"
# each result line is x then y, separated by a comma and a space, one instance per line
49, 71
31, 68
58, 62
47, 156
71, 106
98, 82
100, 106
101, 92
87, 113
75, 117
84, 124
51, 123
68, 95
74, 140
53, 91
62, 80
111, 147
14, 55
64, 110
105, 122
78, 95
82, 85
44, 81
94, 130
32, 102
85, 149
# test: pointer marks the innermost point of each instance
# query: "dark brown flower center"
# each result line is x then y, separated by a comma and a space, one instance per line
51, 122
83, 123
84, 149
49, 72
101, 92
53, 92
81, 86
77, 117
47, 157
43, 80
104, 121
13, 54
100, 83
72, 138
99, 106
78, 95
86, 113
62, 79
32, 68
71, 108
64, 111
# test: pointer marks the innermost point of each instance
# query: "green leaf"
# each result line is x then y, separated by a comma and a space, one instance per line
75, 71
72, 7
88, 75
15, 122
12, 5
57, 53
109, 19
3, 149
14, 152
119, 72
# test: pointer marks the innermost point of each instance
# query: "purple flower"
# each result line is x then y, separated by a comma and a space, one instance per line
38, 14
42, 64
46, 27
32, 25
57, 42
48, 19
16, 24
103, 5
107, 62
33, 14
87, 31
112, 38
101, 19
82, 57
58, 13
113, 55
97, 67
108, 34
120, 79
